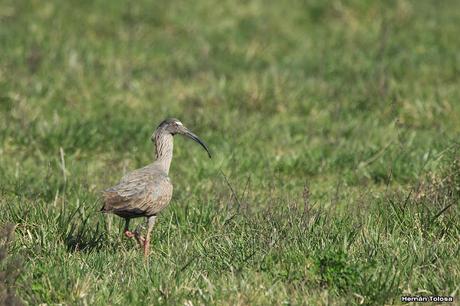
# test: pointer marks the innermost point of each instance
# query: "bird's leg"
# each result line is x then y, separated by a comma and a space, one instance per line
151, 222
127, 232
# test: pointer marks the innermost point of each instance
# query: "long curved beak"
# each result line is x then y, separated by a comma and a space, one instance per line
189, 134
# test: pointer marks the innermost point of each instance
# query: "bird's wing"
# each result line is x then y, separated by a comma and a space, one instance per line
139, 193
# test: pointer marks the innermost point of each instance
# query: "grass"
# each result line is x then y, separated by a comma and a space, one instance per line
334, 127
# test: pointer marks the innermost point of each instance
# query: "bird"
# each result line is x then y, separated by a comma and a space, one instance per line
147, 191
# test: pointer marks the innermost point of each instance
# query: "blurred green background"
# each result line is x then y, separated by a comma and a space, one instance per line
349, 109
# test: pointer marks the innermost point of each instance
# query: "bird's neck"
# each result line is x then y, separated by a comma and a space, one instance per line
163, 150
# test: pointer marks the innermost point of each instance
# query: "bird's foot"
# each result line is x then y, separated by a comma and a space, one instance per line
129, 234
139, 238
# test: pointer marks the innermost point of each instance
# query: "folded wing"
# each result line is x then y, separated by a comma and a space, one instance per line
143, 192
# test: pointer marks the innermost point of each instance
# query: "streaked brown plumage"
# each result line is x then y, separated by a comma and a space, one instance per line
147, 191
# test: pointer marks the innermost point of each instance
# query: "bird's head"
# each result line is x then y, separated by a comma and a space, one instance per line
173, 126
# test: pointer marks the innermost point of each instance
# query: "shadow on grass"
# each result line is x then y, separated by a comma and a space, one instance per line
83, 239
87, 235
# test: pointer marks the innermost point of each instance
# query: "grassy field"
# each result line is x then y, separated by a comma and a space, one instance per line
334, 128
